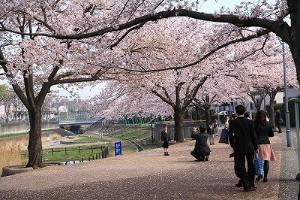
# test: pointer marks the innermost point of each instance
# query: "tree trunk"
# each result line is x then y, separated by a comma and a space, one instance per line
258, 103
35, 151
207, 117
178, 119
272, 116
272, 113
294, 42
6, 113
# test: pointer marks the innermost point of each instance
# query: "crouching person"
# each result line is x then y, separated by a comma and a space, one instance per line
201, 151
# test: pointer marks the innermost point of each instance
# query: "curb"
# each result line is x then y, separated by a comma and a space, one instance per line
16, 169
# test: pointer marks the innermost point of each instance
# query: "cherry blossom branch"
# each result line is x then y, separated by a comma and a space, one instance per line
44, 21
94, 77
125, 34
75, 80
163, 98
193, 93
250, 37
253, 52
117, 18
278, 27
15, 86
133, 28
46, 86
165, 91
205, 102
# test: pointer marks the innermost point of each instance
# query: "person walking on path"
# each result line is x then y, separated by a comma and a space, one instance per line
225, 131
278, 120
265, 151
243, 141
201, 151
165, 140
212, 131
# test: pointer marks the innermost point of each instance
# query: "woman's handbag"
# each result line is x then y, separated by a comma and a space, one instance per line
259, 166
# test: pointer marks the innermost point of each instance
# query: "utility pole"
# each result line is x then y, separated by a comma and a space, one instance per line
287, 113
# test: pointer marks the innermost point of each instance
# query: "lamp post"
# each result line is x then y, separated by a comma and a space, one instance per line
264, 95
287, 113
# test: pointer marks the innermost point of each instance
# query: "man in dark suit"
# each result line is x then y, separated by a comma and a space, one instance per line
243, 141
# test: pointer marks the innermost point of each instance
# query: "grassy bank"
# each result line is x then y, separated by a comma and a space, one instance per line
137, 134
12, 146
10, 151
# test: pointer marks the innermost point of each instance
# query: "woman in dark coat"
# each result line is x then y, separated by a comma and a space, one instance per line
265, 151
201, 151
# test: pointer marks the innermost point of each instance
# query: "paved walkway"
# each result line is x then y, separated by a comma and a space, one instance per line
289, 188
150, 175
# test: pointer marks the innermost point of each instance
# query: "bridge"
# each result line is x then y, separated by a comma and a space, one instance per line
73, 121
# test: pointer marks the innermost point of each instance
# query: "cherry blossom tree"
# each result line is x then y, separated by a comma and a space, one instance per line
33, 65
159, 50
216, 90
121, 17
262, 69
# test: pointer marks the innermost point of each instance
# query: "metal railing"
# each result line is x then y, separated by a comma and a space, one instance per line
76, 118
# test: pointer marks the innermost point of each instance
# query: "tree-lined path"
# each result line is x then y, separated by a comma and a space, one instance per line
148, 175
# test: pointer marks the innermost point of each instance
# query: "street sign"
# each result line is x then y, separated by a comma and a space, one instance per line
118, 148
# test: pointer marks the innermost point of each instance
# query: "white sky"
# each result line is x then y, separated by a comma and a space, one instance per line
211, 6
83, 93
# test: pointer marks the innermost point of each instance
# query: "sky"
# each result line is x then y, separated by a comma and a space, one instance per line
211, 6
83, 93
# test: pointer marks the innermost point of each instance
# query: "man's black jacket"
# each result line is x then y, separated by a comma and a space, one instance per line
242, 135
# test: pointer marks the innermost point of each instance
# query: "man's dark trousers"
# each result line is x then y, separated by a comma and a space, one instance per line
240, 169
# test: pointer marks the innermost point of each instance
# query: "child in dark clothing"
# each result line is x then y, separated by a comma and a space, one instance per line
165, 140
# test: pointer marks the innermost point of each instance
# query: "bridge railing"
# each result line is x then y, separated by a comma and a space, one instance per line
75, 117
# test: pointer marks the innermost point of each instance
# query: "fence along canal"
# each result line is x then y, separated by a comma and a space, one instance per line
74, 154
